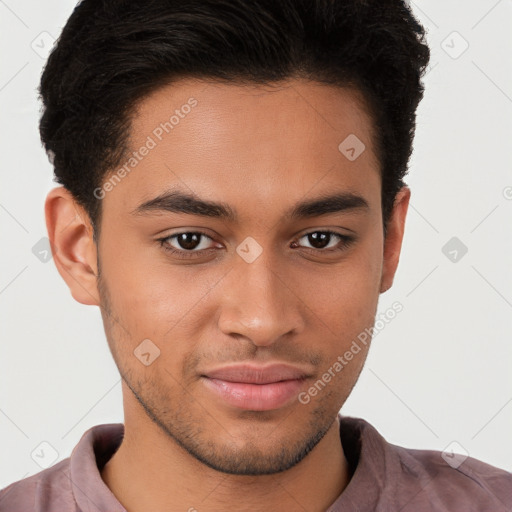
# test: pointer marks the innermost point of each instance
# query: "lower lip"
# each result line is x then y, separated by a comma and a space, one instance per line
256, 397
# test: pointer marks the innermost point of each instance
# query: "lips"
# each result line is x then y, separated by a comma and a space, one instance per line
257, 388
257, 374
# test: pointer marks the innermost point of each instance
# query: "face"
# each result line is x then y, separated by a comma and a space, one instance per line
226, 308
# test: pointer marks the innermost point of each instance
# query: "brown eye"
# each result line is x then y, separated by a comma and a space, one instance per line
326, 240
319, 239
188, 241
187, 244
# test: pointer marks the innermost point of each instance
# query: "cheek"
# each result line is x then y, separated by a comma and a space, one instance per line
345, 297
155, 299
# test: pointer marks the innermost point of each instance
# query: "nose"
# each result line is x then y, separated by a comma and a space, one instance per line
259, 302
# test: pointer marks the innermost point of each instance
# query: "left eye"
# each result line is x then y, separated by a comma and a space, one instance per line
322, 239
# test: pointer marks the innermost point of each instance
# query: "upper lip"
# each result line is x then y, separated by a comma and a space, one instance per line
254, 374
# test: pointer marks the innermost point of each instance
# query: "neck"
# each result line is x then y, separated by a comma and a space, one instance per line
150, 471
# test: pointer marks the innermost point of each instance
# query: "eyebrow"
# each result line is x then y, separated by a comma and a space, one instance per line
176, 201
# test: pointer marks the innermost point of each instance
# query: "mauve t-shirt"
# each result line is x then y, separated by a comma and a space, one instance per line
384, 477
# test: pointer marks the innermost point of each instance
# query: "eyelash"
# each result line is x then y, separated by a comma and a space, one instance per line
346, 242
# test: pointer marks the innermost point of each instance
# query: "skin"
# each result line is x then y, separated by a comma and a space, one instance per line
260, 150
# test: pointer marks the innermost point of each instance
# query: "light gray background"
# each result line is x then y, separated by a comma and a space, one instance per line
438, 373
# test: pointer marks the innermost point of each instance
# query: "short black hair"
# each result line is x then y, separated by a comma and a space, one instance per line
113, 53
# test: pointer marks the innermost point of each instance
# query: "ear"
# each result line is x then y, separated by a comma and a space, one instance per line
394, 236
73, 248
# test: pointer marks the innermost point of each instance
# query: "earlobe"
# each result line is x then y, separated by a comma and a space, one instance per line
394, 237
74, 250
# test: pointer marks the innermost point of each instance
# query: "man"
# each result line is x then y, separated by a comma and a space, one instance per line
233, 200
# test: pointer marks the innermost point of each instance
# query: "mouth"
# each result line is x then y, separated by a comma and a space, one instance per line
256, 388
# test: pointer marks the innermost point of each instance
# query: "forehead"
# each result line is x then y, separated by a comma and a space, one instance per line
248, 142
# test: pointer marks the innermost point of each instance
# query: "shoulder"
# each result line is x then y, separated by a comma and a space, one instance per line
48, 488
393, 477
454, 480
73, 484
